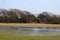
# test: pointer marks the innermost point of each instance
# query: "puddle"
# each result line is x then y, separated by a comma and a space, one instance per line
30, 31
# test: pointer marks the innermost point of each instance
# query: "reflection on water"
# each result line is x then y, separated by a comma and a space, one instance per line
31, 31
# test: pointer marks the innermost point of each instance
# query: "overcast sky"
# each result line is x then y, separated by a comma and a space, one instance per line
35, 6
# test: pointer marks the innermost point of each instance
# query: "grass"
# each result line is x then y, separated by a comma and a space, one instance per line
4, 36
11, 35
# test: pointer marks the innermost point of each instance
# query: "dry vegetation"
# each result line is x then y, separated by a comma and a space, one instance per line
29, 25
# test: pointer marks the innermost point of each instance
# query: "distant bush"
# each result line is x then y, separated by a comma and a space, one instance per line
49, 18
19, 16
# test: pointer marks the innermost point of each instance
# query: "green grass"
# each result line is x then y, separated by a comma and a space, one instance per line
11, 35
4, 36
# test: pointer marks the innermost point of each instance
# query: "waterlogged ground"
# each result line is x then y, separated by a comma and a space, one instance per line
14, 37
17, 33
30, 31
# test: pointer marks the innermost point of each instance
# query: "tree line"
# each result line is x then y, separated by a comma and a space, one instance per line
19, 16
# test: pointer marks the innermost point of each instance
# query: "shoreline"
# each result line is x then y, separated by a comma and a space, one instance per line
30, 25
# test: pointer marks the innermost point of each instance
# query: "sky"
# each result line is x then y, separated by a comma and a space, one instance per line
34, 6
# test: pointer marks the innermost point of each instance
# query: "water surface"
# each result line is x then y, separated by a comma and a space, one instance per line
30, 31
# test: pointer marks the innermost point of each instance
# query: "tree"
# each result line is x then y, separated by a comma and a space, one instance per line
28, 17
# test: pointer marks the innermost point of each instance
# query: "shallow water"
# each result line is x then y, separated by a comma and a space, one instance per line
30, 31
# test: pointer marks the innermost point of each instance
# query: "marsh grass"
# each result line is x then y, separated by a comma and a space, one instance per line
13, 36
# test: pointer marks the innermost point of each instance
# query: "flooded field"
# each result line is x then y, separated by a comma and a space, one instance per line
29, 31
